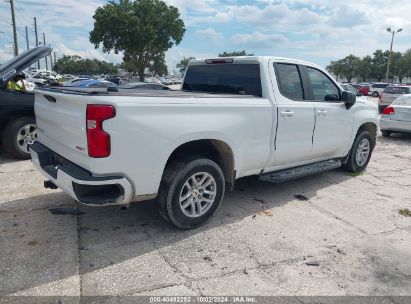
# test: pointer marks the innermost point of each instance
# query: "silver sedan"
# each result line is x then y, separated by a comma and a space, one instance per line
397, 117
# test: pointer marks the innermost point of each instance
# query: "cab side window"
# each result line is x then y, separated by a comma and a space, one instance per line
289, 81
323, 88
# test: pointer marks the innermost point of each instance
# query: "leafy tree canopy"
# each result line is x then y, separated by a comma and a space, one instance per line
142, 29
182, 65
77, 65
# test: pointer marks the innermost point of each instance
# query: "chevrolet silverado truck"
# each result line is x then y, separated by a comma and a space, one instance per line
276, 118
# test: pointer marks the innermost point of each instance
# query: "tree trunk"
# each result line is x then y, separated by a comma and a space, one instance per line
141, 74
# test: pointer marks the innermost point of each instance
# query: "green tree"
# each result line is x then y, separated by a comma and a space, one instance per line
158, 66
406, 61
142, 29
234, 54
379, 64
77, 65
335, 68
346, 67
364, 68
182, 65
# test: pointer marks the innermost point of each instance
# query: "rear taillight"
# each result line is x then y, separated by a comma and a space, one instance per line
98, 141
388, 111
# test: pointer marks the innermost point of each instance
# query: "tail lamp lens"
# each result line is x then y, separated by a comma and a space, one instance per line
98, 140
388, 111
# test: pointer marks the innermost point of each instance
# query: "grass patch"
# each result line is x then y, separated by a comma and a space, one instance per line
355, 174
405, 212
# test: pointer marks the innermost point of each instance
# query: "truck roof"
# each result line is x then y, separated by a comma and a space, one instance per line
256, 59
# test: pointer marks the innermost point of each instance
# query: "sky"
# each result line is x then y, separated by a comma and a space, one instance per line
314, 30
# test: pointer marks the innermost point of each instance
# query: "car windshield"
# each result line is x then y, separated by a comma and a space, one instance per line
397, 90
403, 101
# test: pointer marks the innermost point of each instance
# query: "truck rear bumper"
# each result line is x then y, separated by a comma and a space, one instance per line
79, 183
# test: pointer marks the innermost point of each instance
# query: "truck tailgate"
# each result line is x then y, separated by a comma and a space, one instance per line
61, 121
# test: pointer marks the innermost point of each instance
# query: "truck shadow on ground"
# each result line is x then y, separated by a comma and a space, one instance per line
108, 238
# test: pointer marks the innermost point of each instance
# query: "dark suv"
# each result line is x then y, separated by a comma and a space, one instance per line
17, 122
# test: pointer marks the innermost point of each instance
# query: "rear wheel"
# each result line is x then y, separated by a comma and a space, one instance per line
18, 135
375, 94
360, 152
386, 133
191, 191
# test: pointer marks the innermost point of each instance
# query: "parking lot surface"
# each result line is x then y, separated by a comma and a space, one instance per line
329, 234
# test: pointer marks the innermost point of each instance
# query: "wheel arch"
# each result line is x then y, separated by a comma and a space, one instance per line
370, 127
214, 149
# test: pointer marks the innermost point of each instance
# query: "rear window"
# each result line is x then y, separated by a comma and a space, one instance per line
403, 101
380, 85
242, 79
397, 90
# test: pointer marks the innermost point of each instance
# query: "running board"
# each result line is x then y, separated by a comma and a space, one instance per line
297, 172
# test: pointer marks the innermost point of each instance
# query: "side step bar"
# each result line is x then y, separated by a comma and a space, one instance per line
294, 173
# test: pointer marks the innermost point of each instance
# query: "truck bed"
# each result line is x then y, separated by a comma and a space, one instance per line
143, 93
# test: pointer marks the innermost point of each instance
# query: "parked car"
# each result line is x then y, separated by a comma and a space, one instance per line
73, 81
234, 117
143, 85
47, 75
363, 89
351, 89
390, 94
397, 117
17, 123
37, 81
115, 79
377, 88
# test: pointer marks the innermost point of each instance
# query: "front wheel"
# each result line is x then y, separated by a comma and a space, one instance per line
375, 94
360, 152
18, 135
190, 192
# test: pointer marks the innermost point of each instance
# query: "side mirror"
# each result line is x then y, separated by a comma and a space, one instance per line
348, 98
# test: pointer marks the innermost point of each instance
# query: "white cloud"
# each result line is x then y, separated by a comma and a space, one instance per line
209, 34
258, 40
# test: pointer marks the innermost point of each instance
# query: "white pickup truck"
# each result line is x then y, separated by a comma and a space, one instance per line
276, 118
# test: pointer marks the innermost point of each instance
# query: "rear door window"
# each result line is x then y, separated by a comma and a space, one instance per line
289, 81
241, 79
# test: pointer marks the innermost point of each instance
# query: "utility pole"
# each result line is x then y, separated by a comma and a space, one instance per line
37, 39
44, 43
13, 19
392, 32
51, 59
27, 38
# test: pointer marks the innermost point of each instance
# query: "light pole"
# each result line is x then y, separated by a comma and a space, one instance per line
392, 32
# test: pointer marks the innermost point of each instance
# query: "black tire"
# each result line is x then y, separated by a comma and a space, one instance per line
352, 164
10, 134
175, 176
375, 94
386, 133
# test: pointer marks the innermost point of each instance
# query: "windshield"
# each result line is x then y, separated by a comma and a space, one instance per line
242, 79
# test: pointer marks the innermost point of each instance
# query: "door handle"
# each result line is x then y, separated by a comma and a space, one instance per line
322, 112
287, 113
